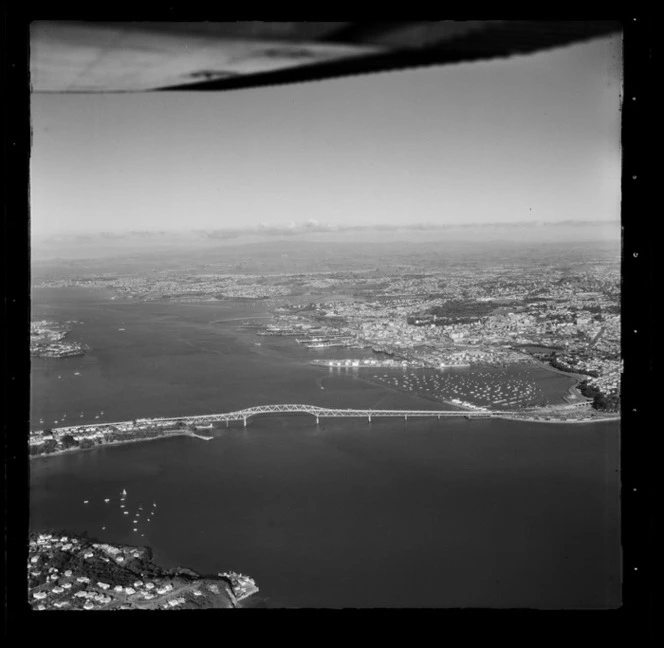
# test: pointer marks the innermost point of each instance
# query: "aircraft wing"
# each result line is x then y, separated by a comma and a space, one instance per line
98, 57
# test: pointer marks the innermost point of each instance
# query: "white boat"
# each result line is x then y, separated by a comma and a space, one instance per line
107, 500
85, 501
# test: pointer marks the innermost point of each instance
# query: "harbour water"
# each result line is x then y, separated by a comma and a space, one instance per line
345, 514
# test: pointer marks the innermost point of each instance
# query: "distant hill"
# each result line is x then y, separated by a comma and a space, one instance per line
103, 245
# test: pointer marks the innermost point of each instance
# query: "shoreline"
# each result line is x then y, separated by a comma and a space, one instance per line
576, 376
598, 419
491, 416
109, 444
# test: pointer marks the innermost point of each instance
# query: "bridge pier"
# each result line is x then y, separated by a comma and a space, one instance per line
405, 417
316, 420
245, 421
226, 422
369, 418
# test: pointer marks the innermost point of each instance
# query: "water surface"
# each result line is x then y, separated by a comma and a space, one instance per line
344, 514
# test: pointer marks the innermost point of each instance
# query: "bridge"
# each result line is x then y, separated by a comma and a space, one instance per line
318, 413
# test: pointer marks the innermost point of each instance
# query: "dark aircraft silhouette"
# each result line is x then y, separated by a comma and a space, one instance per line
95, 57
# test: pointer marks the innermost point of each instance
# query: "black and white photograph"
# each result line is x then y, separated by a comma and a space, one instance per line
325, 315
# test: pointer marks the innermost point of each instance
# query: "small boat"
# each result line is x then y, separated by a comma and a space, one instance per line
85, 501
103, 528
107, 501
126, 512
124, 492
77, 373
135, 529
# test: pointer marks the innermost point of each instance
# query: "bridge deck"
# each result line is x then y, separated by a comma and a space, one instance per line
313, 410
323, 412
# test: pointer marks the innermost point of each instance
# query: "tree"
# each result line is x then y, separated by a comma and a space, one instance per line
600, 401
68, 441
50, 445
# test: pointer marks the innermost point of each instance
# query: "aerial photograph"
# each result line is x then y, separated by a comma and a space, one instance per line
348, 338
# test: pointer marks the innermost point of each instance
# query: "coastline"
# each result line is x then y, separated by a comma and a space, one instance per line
598, 419
578, 377
119, 443
491, 415
110, 576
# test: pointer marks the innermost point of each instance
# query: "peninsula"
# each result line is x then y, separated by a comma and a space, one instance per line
47, 340
76, 573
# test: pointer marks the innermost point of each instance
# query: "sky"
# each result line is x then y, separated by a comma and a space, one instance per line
529, 138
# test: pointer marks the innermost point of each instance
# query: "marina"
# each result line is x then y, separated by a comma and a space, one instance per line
493, 388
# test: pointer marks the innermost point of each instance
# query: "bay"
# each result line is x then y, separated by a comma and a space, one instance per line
344, 514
